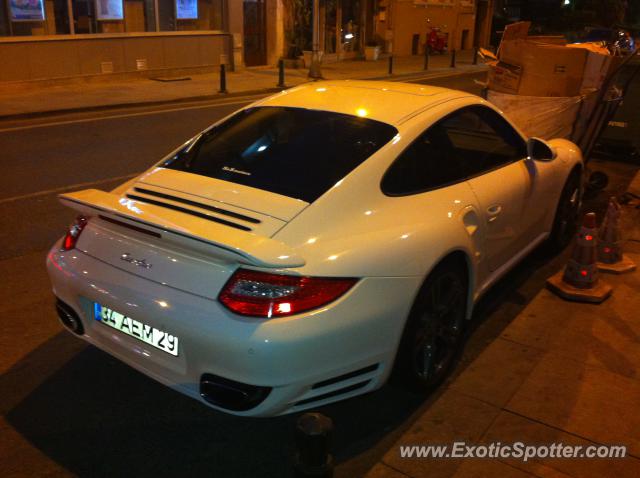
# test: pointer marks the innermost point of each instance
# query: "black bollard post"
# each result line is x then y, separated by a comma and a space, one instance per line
391, 64
475, 55
313, 436
223, 79
281, 74
426, 57
453, 58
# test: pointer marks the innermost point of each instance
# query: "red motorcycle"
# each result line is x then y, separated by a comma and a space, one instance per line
437, 41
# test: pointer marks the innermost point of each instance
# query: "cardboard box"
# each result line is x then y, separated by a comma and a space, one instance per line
549, 39
547, 70
504, 77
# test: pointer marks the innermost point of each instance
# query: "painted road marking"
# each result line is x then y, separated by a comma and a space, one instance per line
68, 188
130, 115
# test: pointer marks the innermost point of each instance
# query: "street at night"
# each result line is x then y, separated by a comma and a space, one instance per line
414, 255
72, 409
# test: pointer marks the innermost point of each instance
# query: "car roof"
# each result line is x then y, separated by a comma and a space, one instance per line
387, 101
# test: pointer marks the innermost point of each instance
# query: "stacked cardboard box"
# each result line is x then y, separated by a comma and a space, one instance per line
537, 66
544, 74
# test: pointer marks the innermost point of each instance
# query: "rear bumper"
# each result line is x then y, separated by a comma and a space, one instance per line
292, 356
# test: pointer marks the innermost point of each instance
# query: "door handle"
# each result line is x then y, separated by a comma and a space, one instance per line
470, 221
493, 212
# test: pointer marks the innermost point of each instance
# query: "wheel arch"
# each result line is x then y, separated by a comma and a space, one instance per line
462, 258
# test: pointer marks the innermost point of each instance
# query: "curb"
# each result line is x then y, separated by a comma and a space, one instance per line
202, 98
139, 104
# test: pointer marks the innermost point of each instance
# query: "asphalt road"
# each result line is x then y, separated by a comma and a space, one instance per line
69, 409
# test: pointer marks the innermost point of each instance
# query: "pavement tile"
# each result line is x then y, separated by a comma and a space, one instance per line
510, 428
587, 401
489, 469
498, 372
607, 336
454, 417
30, 97
383, 471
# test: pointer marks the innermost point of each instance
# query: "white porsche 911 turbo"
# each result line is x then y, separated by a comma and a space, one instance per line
300, 250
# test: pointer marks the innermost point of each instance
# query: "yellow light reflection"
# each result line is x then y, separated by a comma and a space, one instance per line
362, 112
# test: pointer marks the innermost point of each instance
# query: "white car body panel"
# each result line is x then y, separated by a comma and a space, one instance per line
353, 230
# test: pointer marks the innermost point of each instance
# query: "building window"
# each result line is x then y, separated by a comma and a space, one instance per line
351, 25
51, 17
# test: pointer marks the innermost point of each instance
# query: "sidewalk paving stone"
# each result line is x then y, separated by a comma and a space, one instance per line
480, 380
604, 337
490, 469
383, 471
39, 97
511, 428
454, 417
584, 400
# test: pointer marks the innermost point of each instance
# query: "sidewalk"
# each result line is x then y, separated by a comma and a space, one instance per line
560, 372
19, 100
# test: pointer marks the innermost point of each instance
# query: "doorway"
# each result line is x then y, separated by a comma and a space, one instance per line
255, 38
464, 41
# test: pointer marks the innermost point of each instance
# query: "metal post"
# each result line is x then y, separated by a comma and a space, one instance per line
453, 58
314, 69
391, 64
156, 14
281, 74
475, 55
72, 22
426, 57
313, 436
223, 79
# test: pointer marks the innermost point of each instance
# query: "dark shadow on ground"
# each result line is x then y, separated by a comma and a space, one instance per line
96, 416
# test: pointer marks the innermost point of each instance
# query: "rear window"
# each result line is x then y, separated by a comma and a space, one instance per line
290, 151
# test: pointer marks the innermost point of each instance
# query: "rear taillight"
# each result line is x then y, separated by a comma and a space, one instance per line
75, 229
260, 294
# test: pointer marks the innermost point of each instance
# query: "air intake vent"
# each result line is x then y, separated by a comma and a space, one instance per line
193, 212
334, 393
346, 376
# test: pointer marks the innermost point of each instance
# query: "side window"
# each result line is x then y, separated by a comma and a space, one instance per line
483, 139
466, 143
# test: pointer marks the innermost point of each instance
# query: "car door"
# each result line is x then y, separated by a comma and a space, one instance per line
493, 155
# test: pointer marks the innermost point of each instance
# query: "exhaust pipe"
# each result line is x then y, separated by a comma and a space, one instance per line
69, 318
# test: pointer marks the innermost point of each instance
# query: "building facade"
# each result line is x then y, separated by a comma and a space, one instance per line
405, 24
49, 39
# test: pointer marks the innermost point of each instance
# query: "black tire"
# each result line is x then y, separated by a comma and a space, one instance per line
434, 330
566, 219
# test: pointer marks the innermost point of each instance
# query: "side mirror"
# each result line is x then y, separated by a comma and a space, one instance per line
540, 150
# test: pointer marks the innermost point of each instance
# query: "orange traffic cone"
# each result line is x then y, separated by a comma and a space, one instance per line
579, 281
610, 256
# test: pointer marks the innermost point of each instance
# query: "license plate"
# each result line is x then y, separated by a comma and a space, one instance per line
145, 333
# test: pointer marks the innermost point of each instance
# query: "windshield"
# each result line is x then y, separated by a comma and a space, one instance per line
290, 151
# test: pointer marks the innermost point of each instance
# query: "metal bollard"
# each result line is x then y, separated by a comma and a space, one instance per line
223, 79
426, 57
475, 55
281, 74
313, 436
453, 58
391, 64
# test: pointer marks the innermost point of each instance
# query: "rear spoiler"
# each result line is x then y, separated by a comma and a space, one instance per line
252, 249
